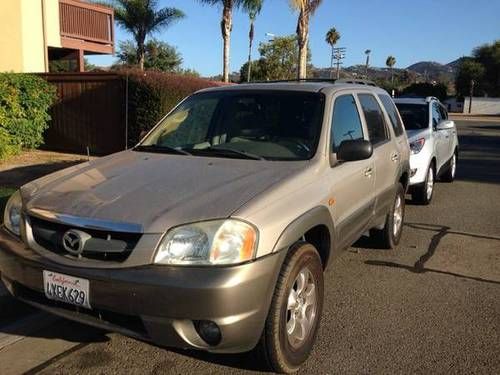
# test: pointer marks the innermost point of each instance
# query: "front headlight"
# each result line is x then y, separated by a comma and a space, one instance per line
417, 146
12, 213
208, 243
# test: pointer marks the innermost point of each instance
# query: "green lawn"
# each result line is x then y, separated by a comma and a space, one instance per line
5, 193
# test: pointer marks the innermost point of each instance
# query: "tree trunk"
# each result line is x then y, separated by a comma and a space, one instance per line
303, 38
250, 39
392, 77
140, 52
226, 26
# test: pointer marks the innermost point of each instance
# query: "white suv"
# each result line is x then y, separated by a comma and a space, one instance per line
433, 143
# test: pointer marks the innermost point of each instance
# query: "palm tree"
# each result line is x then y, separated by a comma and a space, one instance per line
226, 28
306, 9
367, 53
141, 18
332, 37
390, 62
253, 8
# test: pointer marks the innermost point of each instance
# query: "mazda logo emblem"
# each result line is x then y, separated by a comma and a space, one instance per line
74, 241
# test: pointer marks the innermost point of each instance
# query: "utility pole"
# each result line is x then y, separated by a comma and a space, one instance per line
472, 83
367, 53
338, 54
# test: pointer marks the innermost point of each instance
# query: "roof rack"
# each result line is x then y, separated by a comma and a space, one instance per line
326, 80
357, 81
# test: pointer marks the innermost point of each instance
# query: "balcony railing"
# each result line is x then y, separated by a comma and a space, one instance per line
87, 23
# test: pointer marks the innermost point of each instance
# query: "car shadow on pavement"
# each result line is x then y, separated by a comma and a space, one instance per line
419, 266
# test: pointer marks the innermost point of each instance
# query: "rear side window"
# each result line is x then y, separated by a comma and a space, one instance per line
391, 110
346, 124
374, 119
436, 114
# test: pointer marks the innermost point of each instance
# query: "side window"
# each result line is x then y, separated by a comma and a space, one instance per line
374, 119
391, 110
346, 124
443, 112
436, 115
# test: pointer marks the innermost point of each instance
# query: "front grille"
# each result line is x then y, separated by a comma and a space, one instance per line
103, 245
129, 322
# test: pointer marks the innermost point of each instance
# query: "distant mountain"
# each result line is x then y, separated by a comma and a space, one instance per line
435, 71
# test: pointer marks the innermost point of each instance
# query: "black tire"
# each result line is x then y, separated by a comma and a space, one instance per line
419, 193
449, 175
387, 238
275, 347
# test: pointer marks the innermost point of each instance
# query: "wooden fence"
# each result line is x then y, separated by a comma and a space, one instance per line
89, 112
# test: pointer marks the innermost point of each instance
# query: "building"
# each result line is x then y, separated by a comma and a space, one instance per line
35, 33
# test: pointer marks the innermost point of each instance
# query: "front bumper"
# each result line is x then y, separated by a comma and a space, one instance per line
419, 164
155, 303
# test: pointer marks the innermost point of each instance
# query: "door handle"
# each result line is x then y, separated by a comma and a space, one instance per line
395, 157
368, 172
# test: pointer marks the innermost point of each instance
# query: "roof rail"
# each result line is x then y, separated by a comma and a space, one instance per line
431, 98
327, 80
357, 81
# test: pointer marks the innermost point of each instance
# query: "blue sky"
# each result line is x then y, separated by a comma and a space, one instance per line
436, 30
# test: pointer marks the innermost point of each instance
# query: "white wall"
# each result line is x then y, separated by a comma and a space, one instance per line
483, 106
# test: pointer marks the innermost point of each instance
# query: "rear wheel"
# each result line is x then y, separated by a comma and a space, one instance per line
390, 235
293, 319
423, 193
449, 176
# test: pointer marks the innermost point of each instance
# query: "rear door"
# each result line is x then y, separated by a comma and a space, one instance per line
352, 183
385, 152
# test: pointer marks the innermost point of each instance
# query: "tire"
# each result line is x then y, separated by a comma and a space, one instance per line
423, 194
390, 235
284, 352
449, 175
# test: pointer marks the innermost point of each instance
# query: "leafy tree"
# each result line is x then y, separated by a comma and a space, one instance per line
253, 8
141, 18
390, 62
226, 28
259, 72
468, 71
68, 65
306, 9
488, 56
280, 57
158, 55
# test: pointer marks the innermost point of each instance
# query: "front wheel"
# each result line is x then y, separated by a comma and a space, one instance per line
390, 235
449, 176
423, 193
293, 319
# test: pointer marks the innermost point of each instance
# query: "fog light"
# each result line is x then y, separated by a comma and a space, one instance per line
413, 172
208, 331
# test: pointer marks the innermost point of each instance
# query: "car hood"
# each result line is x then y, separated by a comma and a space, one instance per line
415, 134
157, 191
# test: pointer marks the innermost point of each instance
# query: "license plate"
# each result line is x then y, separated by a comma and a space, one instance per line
68, 289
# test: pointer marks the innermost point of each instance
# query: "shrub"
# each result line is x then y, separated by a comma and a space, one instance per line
152, 94
25, 100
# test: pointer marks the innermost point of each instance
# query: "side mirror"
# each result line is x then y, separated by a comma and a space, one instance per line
354, 150
445, 125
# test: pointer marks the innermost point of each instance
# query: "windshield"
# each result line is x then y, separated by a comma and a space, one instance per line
242, 124
415, 116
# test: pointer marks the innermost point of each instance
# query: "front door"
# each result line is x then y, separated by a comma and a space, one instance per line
352, 183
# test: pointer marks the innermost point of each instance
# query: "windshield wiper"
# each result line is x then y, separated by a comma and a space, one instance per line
161, 149
228, 152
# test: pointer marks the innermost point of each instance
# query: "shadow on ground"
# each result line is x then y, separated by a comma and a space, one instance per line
440, 233
18, 176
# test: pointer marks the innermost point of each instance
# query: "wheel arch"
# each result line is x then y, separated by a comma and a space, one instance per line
316, 227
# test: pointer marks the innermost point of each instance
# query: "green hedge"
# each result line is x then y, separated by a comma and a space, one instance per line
153, 94
25, 100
